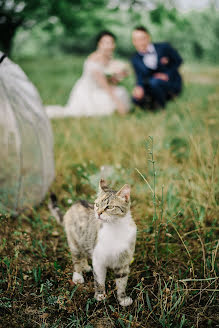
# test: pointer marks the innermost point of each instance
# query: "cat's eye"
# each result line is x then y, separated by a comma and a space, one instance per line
110, 207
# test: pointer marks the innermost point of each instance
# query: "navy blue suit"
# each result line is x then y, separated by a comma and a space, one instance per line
159, 90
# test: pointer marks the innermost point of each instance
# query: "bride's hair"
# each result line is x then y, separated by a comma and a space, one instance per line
102, 34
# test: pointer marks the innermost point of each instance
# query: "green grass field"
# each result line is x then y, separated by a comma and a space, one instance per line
170, 159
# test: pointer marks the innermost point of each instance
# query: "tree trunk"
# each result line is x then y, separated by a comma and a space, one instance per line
8, 29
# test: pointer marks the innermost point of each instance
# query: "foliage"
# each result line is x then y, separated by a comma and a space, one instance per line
16, 13
188, 32
189, 36
72, 14
80, 19
174, 276
68, 26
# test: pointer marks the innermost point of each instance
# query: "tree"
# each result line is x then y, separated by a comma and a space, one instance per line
73, 14
16, 13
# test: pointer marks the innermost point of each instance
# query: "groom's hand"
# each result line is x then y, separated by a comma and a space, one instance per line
138, 92
161, 76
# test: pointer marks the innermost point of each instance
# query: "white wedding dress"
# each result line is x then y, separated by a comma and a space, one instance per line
87, 98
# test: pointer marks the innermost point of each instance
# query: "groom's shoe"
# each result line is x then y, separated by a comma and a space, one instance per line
155, 105
144, 103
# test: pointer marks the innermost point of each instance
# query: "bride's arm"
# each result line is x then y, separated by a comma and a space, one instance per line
103, 83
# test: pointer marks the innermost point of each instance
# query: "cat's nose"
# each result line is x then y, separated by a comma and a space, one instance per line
99, 214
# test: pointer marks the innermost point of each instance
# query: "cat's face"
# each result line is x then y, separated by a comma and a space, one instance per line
111, 205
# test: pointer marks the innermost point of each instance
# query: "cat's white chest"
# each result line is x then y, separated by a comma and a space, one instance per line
112, 241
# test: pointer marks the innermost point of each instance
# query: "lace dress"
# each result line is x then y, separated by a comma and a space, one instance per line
87, 98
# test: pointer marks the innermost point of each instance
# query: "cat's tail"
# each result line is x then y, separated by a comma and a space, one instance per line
54, 209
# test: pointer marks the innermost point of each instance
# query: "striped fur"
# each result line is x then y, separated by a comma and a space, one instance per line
105, 233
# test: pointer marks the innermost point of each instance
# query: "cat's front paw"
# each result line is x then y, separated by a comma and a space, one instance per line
100, 297
126, 301
77, 278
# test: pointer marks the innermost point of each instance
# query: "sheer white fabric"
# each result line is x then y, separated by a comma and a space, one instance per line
87, 98
26, 142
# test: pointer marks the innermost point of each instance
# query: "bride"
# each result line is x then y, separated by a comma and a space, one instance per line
95, 93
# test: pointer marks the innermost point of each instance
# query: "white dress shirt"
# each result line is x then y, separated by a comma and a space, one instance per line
150, 58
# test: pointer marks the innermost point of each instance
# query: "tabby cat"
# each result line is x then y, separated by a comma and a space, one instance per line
104, 232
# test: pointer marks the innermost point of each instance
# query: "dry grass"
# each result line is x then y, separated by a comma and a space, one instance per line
174, 277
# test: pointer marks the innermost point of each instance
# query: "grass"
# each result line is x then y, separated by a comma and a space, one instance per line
175, 203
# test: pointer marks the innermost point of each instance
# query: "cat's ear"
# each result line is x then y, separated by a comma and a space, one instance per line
124, 192
102, 184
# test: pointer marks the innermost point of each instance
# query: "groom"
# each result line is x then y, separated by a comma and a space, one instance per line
156, 68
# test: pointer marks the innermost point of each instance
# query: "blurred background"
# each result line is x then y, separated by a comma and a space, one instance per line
50, 27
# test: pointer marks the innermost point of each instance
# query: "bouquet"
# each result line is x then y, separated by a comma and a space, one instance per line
116, 71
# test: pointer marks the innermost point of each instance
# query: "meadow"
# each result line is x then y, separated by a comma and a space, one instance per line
170, 159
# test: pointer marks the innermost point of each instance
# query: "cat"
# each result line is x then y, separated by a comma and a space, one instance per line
104, 232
